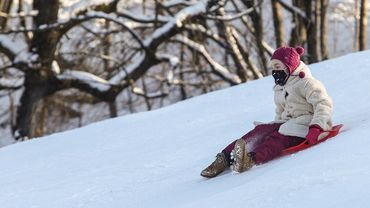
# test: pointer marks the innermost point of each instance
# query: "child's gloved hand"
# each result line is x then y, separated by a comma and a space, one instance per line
313, 134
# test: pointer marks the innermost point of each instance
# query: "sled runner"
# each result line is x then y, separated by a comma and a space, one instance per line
305, 145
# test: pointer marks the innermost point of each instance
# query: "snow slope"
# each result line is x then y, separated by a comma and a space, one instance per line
153, 159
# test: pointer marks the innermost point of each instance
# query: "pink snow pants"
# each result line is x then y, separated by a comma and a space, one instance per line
265, 143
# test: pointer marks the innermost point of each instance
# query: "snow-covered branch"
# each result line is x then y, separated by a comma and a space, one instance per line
20, 14
143, 19
93, 81
72, 9
177, 22
173, 3
160, 35
89, 83
11, 84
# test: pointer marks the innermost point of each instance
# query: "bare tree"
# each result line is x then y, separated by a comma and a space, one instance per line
324, 29
363, 25
104, 56
52, 72
278, 23
310, 25
356, 17
257, 21
4, 11
311, 10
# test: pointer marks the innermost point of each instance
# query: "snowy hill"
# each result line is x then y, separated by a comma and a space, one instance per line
153, 159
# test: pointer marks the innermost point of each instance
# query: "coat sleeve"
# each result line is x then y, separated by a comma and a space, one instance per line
278, 107
278, 112
321, 102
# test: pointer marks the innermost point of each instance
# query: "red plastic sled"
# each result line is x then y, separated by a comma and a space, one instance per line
305, 145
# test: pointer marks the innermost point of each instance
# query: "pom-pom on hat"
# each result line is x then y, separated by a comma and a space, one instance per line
289, 56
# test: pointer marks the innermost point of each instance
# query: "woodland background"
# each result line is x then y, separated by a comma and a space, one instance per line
65, 64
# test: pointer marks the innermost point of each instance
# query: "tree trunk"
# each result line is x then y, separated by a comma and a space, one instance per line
113, 109
298, 35
244, 50
256, 17
39, 82
44, 42
4, 8
311, 31
324, 30
235, 53
183, 93
38, 120
363, 26
356, 17
146, 99
278, 23
107, 42
35, 88
247, 58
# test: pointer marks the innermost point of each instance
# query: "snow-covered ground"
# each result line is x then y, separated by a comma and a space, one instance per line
153, 159
341, 34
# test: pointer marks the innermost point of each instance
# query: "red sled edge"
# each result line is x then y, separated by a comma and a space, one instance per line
305, 145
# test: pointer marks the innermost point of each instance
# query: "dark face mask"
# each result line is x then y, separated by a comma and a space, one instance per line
280, 76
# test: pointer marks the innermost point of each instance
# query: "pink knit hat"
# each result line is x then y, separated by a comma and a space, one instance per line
289, 56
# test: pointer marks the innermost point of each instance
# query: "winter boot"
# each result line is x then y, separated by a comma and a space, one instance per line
242, 159
217, 167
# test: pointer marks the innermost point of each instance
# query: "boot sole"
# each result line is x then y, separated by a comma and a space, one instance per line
210, 176
239, 156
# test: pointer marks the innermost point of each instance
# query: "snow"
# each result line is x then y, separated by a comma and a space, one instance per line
55, 67
11, 82
173, 60
177, 21
153, 159
16, 47
172, 3
85, 77
70, 8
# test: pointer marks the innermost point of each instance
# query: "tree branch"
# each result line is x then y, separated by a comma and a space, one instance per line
98, 15
293, 10
217, 68
145, 20
160, 35
207, 33
89, 83
174, 3
237, 16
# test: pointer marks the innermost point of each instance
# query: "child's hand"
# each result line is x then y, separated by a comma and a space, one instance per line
313, 134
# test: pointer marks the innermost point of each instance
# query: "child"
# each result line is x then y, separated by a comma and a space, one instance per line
303, 111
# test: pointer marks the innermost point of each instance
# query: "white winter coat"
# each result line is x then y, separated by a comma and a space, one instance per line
302, 102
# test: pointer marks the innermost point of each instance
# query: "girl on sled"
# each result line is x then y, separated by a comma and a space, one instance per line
303, 112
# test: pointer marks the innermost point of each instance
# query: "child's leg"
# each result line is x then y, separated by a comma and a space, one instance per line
273, 145
257, 135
